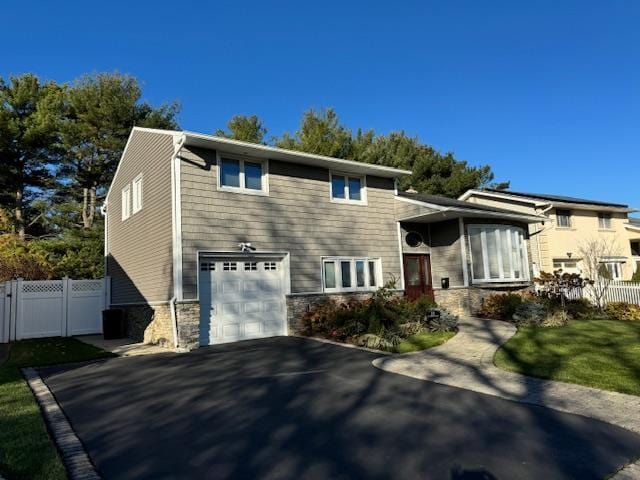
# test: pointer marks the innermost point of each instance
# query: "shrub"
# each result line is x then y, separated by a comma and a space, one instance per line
580, 308
636, 274
530, 313
556, 319
501, 306
623, 311
18, 260
446, 322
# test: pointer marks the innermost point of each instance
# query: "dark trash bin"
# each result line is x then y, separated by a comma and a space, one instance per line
113, 325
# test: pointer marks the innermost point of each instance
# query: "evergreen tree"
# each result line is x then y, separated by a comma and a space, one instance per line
244, 128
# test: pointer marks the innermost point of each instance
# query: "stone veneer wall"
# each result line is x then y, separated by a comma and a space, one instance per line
469, 300
149, 323
188, 319
299, 305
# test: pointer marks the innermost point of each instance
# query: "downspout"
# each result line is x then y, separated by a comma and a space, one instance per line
177, 239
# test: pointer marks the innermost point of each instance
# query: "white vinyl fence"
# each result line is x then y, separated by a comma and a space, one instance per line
51, 308
623, 292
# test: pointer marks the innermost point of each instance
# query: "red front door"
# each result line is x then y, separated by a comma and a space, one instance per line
417, 276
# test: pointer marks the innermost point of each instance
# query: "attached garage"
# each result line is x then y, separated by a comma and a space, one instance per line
242, 297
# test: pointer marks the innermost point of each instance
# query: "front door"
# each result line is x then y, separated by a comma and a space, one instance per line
417, 276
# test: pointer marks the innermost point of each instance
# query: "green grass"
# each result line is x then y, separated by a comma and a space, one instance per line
423, 341
26, 451
598, 353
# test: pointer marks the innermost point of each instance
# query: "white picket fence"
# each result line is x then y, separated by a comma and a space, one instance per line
51, 308
623, 292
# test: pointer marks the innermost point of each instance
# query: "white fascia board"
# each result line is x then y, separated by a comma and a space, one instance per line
502, 196
266, 151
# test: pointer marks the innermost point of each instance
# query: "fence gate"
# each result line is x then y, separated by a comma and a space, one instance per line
51, 308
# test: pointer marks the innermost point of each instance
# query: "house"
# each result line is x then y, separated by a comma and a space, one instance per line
211, 240
556, 244
633, 227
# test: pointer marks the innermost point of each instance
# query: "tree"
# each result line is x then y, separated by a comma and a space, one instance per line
244, 128
30, 117
593, 252
320, 132
102, 109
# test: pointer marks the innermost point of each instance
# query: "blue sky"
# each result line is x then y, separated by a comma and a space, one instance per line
546, 92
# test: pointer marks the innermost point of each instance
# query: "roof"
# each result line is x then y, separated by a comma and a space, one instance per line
634, 221
460, 208
555, 198
273, 153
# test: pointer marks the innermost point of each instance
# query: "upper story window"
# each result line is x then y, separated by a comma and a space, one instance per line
635, 249
348, 188
243, 176
604, 221
137, 193
126, 202
563, 218
346, 274
498, 253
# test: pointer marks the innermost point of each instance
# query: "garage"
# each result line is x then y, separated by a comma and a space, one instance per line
241, 298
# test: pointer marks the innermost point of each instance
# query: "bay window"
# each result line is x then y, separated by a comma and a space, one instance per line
349, 274
498, 253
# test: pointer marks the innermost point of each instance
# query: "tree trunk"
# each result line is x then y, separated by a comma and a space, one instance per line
88, 207
19, 216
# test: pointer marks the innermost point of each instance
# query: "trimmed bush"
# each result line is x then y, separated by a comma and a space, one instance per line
623, 311
530, 313
500, 306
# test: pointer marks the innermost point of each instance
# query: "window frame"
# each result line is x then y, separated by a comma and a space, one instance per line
264, 178
136, 181
346, 177
524, 257
125, 207
617, 266
605, 221
566, 213
337, 261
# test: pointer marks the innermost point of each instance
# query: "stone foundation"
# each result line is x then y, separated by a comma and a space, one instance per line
299, 305
188, 319
468, 301
149, 323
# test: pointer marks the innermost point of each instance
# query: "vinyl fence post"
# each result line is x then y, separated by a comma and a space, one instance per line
65, 307
16, 306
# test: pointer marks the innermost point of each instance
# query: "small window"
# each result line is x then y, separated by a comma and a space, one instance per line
250, 266
347, 189
344, 274
230, 266
137, 194
615, 270
604, 221
208, 266
242, 176
126, 202
270, 266
563, 218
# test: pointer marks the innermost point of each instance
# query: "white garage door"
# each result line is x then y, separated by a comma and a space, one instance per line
241, 298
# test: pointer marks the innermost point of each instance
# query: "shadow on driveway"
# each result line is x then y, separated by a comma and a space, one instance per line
295, 408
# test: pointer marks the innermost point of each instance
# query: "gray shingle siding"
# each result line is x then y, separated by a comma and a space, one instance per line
297, 217
139, 258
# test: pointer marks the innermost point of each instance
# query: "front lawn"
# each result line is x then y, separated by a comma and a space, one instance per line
26, 451
603, 354
422, 341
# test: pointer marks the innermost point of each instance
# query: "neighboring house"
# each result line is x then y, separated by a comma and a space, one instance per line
633, 227
556, 244
183, 208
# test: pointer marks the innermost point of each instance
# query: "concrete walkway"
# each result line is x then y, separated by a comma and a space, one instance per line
124, 347
466, 361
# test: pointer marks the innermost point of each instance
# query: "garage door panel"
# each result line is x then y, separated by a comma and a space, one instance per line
241, 299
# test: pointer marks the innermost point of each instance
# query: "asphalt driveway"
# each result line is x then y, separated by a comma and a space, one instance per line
296, 408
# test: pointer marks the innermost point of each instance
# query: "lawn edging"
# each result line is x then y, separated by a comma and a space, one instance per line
72, 451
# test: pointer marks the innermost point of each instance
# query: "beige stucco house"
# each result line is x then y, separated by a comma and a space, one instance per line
556, 243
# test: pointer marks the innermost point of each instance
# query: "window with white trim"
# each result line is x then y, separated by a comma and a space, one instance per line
563, 218
348, 274
615, 270
604, 221
250, 266
126, 202
498, 253
229, 266
137, 193
244, 176
270, 266
347, 188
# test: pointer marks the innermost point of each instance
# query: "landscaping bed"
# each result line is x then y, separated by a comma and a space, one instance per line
26, 450
384, 322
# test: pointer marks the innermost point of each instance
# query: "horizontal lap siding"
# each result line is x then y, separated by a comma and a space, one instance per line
140, 248
446, 253
297, 217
